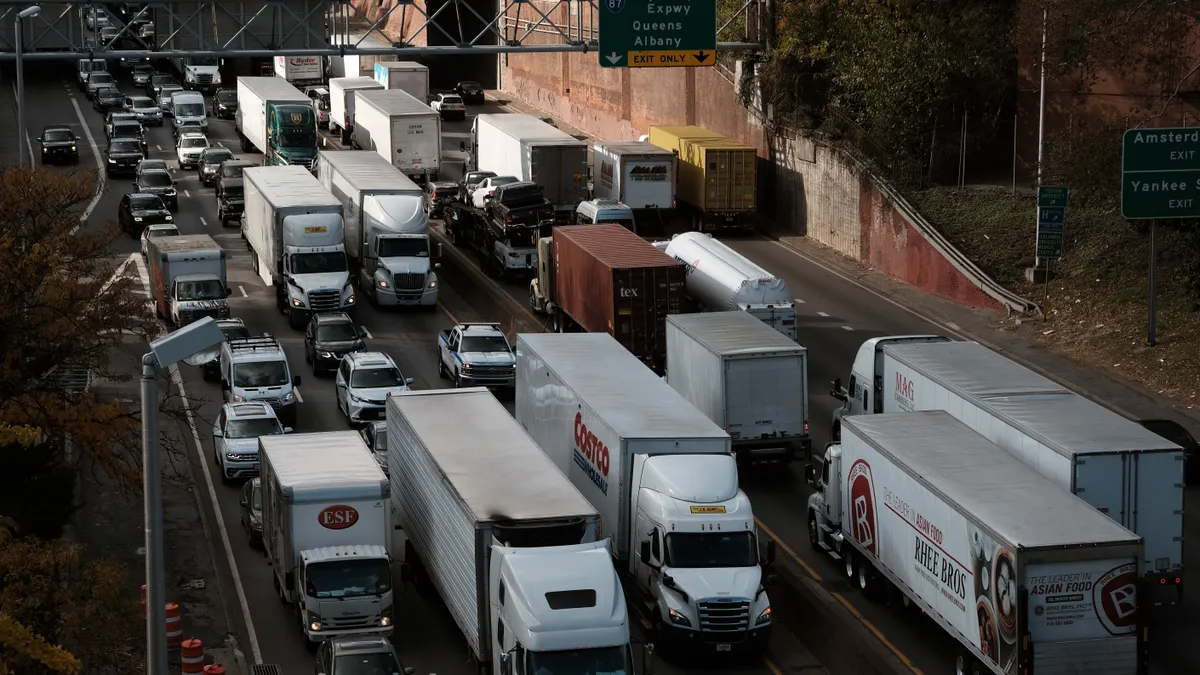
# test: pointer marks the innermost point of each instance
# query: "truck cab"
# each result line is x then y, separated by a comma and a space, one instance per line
193, 296
604, 211
256, 369
316, 275
187, 278
398, 260
861, 395
87, 67
695, 533
187, 108
291, 134
200, 73
476, 354
825, 507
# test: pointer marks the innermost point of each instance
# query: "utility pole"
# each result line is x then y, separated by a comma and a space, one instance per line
1042, 97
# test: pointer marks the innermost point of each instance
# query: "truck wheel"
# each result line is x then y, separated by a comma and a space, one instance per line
850, 558
868, 579
245, 145
814, 531
441, 367
964, 663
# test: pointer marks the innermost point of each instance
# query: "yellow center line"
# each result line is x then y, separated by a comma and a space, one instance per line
788, 550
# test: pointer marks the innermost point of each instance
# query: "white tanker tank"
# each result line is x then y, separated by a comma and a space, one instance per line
722, 280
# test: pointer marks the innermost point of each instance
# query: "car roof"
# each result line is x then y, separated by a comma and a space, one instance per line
248, 409
481, 329
161, 226
145, 195
361, 644
334, 317
122, 139
56, 127
193, 134
370, 359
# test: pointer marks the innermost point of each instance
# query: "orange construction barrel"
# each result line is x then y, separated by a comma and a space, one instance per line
191, 656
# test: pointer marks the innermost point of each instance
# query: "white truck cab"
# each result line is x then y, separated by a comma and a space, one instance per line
256, 369
87, 67
863, 394
200, 73
604, 211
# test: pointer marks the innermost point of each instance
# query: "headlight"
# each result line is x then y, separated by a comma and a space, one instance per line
433, 284
170, 192
466, 367
353, 397
289, 397
382, 282
111, 160
325, 355
314, 622
385, 621
297, 302
239, 399
136, 219
678, 618
350, 300
72, 146
763, 618
170, 218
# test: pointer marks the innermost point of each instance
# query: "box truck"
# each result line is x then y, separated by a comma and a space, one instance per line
720, 279
1125, 471
639, 175
187, 278
512, 144
603, 278
300, 69
326, 530
747, 378
294, 228
408, 76
341, 104
356, 65
662, 477
511, 546
387, 231
717, 182
404, 131
1024, 576
276, 119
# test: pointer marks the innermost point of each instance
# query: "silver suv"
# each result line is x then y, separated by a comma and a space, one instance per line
364, 381
255, 369
355, 655
235, 437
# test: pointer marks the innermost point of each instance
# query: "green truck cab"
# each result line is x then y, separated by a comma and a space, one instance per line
291, 134
276, 119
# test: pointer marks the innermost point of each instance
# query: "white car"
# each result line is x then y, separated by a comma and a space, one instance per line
157, 230
487, 186
364, 381
188, 150
235, 437
449, 106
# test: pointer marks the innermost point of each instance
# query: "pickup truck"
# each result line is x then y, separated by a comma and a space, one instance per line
505, 231
476, 354
522, 203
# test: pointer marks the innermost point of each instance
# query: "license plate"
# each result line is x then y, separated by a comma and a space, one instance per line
724, 648
255, 465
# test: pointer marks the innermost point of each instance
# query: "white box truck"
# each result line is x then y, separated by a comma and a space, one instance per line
326, 530
356, 65
187, 278
745, 377
721, 279
1125, 471
341, 103
404, 131
512, 547
276, 119
639, 175
408, 76
387, 230
662, 477
300, 69
294, 228
514, 144
1024, 576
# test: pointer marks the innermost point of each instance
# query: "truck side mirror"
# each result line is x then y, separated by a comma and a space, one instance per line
289, 580
409, 380
228, 291
644, 552
439, 250
462, 146
217, 433
648, 659
836, 390
770, 558
409, 670
505, 664
296, 381
288, 430
810, 475
224, 385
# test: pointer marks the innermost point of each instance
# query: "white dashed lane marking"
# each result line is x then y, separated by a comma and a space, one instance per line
822, 314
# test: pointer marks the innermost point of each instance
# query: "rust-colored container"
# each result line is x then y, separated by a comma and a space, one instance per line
610, 280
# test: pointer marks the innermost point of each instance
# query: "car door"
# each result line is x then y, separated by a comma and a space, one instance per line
310, 339
218, 433
124, 217
343, 381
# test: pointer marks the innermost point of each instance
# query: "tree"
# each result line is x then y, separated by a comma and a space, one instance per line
58, 611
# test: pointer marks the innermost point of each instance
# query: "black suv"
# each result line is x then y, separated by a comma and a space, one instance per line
138, 210
470, 92
59, 143
160, 184
328, 338
130, 129
122, 157
225, 104
156, 82
231, 200
209, 166
109, 98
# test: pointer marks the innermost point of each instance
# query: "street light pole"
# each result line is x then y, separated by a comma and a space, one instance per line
21, 134
156, 601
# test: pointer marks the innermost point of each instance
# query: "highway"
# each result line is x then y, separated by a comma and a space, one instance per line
426, 636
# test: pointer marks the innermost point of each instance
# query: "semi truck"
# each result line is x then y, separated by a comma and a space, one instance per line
1120, 468
408, 76
187, 278
603, 278
294, 228
720, 279
513, 144
326, 527
404, 131
341, 104
661, 475
300, 70
513, 548
386, 229
745, 377
199, 73
639, 175
276, 119
1024, 576
717, 181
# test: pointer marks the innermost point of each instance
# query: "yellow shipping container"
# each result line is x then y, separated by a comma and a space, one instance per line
716, 175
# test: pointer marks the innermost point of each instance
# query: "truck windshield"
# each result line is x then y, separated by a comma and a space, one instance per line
299, 138
318, 263
484, 343
189, 110
704, 549
263, 426
601, 661
209, 289
404, 247
203, 61
348, 578
260, 374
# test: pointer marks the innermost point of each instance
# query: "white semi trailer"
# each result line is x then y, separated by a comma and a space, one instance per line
341, 103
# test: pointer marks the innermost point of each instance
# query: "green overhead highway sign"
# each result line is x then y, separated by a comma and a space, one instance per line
1160, 173
653, 34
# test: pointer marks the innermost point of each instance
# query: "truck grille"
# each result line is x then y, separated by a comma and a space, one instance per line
491, 373
352, 622
203, 79
724, 620
306, 163
197, 314
409, 282
325, 301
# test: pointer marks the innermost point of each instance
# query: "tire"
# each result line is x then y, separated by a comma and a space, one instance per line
851, 567
442, 375
458, 383
814, 531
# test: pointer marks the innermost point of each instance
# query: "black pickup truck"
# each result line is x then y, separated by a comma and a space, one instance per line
521, 203
505, 232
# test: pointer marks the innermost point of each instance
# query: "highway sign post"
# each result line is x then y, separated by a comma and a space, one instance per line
1051, 221
650, 34
1160, 173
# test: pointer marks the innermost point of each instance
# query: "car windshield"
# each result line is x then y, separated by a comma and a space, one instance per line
404, 247
318, 263
227, 96
235, 332
218, 157
372, 663
55, 135
599, 661
348, 578
705, 549
100, 78
193, 143
162, 232
125, 146
232, 170
253, 428
161, 79
209, 289
127, 129
139, 102
484, 343
189, 109
155, 180
341, 331
143, 69
261, 374
380, 445
376, 378
148, 204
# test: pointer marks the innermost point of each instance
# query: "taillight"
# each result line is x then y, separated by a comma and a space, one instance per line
508, 219
513, 254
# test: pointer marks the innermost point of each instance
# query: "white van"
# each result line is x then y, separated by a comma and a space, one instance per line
87, 67
604, 211
188, 107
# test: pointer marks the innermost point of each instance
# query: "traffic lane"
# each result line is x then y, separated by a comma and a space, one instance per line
48, 102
